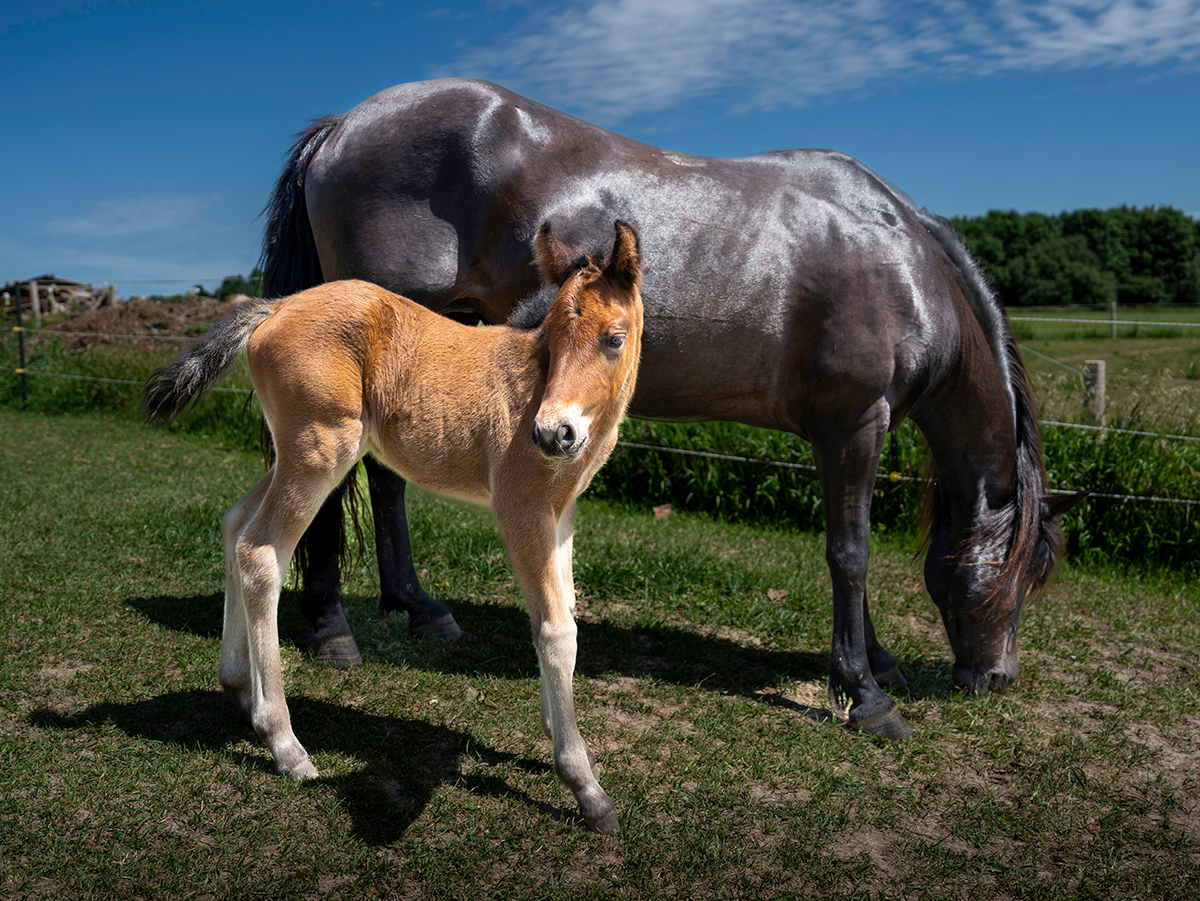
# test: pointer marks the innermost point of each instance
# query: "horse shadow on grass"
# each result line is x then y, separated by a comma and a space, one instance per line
403, 761
497, 643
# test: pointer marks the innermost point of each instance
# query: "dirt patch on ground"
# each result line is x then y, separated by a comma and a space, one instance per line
139, 318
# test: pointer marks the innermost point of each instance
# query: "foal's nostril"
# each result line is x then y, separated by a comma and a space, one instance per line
565, 436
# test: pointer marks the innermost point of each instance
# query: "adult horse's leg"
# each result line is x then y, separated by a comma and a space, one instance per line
884, 667
332, 640
848, 458
400, 587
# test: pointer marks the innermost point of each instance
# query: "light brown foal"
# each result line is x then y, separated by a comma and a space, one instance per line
518, 419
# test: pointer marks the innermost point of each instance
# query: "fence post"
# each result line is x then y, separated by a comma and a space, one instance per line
1112, 318
1094, 389
36, 303
21, 346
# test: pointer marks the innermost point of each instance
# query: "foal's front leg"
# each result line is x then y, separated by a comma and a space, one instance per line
536, 541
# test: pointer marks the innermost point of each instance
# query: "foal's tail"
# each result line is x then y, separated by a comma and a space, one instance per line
172, 388
289, 256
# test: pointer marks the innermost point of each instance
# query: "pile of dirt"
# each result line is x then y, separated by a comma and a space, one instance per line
107, 325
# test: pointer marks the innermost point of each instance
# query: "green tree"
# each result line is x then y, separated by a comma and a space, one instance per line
1062, 271
1149, 255
236, 284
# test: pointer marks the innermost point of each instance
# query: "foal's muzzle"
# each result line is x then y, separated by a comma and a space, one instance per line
560, 440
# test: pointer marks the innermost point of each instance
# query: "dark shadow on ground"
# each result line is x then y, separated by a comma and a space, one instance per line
201, 615
405, 761
497, 643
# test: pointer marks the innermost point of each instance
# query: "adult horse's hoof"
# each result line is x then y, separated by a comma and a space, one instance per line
339, 652
891, 678
598, 810
444, 628
889, 724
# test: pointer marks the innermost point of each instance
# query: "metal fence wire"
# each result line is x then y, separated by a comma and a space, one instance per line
21, 370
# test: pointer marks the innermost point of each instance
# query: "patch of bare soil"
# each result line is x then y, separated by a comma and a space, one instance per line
139, 318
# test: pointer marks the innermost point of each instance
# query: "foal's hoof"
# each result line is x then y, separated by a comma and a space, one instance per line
891, 678
889, 724
301, 771
339, 652
606, 824
444, 628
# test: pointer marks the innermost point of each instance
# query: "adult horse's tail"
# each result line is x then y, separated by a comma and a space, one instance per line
172, 388
1025, 534
289, 258
290, 264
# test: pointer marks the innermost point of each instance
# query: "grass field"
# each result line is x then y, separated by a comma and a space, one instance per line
703, 653
1153, 371
1153, 387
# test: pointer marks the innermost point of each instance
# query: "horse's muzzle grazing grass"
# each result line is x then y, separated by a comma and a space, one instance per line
518, 419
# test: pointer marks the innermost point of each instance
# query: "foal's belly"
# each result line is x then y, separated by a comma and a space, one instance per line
447, 464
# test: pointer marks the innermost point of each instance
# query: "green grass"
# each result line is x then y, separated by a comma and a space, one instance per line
703, 653
1154, 374
1137, 531
1146, 323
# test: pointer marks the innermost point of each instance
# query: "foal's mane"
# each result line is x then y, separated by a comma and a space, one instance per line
531, 312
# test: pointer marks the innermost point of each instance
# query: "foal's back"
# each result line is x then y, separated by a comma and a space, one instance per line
433, 399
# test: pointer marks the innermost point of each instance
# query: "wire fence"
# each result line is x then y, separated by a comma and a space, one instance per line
893, 477
1096, 323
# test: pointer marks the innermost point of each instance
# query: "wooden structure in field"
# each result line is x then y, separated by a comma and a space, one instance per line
51, 294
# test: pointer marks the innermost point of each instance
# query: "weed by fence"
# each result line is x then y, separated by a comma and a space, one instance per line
1137, 509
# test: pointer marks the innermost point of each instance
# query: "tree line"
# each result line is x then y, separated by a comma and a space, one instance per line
1128, 255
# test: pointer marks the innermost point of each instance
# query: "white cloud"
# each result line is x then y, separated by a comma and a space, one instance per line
612, 58
131, 216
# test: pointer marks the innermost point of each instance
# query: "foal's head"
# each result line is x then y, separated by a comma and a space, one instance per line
594, 333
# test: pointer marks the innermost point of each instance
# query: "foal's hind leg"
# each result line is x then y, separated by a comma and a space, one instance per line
535, 544
302, 479
234, 668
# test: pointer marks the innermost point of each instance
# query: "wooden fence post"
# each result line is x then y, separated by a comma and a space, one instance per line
36, 302
1094, 389
1112, 318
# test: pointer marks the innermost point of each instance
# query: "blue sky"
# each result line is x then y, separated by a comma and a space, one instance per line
141, 138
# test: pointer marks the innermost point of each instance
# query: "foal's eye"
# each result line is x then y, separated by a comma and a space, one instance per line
615, 342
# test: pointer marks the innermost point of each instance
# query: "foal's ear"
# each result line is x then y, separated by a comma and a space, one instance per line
554, 259
626, 262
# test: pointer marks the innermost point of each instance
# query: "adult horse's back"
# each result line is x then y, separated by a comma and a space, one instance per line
793, 290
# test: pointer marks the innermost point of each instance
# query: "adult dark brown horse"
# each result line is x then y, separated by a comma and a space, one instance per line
794, 290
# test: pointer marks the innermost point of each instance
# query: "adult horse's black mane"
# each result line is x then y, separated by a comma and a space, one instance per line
795, 290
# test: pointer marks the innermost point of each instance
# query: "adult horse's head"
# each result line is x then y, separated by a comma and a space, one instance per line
982, 563
594, 333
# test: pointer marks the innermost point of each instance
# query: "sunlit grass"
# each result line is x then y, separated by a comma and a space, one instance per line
702, 666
